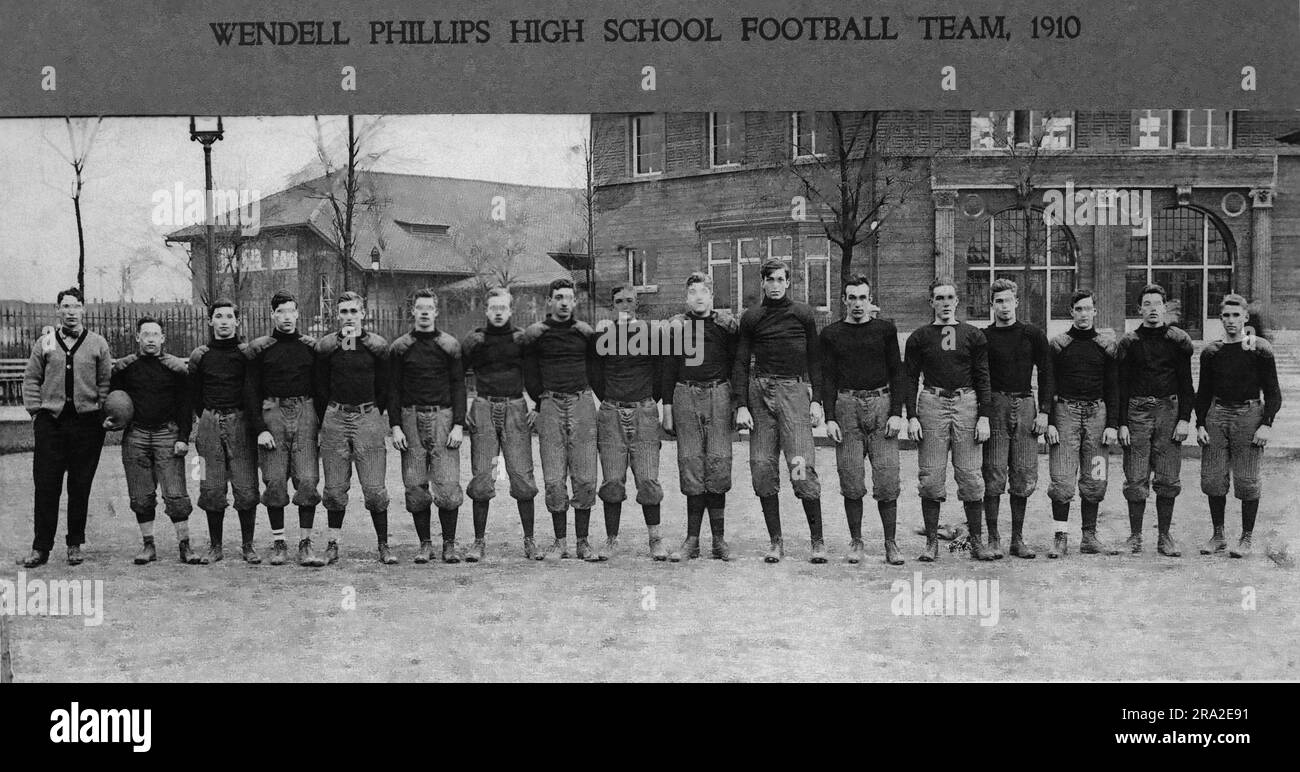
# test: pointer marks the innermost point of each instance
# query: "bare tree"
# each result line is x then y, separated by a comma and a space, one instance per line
81, 138
587, 211
491, 250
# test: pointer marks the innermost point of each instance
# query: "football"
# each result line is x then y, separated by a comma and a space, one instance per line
119, 410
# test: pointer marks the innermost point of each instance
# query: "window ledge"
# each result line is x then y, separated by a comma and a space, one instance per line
646, 288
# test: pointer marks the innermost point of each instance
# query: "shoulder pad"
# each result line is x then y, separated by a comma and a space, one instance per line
307, 340
1059, 342
260, 344
726, 320
1179, 338
1263, 346
375, 344
243, 349
1122, 346
121, 364
327, 344
401, 344
679, 318
475, 337
196, 357
518, 335
584, 328
533, 332
1106, 339
448, 343
1212, 348
173, 363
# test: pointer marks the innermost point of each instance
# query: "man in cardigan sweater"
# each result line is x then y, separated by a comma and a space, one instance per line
64, 388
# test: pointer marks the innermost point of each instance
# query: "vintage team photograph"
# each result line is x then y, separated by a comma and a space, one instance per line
779, 396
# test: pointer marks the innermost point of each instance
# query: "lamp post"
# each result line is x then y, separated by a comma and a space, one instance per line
374, 270
204, 130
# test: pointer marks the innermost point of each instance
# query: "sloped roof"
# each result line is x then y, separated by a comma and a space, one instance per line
531, 218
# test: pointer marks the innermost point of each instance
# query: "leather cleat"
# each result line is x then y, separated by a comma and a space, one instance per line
689, 550
425, 553
1216, 543
306, 556
476, 552
931, 551
607, 551
560, 549
1091, 545
657, 549
279, 553
818, 552
1166, 546
331, 553
856, 551
1060, 546
1020, 549
148, 554
386, 555
36, 558
215, 554
250, 555
721, 550
775, 552
530, 549
978, 549
187, 553
893, 555
995, 544
1133, 543
1243, 548
449, 551
585, 551
75, 557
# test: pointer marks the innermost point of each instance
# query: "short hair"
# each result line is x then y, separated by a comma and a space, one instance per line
497, 292
622, 288
73, 291
773, 265
424, 292
348, 297
222, 303
1080, 295
854, 281
1003, 285
1233, 299
142, 321
281, 297
699, 277
559, 284
1153, 289
941, 281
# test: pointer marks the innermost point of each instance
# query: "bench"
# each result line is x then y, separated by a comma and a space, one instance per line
11, 381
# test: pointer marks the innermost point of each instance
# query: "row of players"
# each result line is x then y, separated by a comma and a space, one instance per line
292, 406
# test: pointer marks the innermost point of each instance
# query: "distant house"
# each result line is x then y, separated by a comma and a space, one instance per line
461, 236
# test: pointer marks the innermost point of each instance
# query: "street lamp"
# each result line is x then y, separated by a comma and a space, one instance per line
374, 268
207, 129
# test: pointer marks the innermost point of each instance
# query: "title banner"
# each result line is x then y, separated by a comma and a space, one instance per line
133, 57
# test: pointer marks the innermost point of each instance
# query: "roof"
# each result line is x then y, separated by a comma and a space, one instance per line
529, 219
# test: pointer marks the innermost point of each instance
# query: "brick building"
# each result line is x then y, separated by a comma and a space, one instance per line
457, 235
713, 191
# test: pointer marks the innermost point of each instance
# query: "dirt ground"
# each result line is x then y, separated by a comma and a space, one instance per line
509, 619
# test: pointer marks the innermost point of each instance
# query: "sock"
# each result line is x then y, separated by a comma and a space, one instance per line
1218, 504
276, 516
379, 518
422, 519
581, 522
930, 516
613, 515
1061, 515
1089, 514
182, 530
888, 517
812, 509
526, 516
1136, 511
694, 514
1164, 513
447, 520
1248, 511
1018, 505
974, 517
480, 519
717, 505
146, 528
335, 518
853, 512
771, 515
991, 506
560, 524
335, 535
215, 519
247, 524
651, 513
306, 520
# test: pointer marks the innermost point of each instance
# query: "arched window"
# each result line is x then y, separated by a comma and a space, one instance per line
997, 248
1190, 253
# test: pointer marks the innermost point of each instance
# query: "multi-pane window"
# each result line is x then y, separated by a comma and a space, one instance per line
1049, 129
1039, 257
1208, 129
809, 135
722, 273
725, 144
638, 270
817, 271
648, 143
282, 259
250, 259
1189, 254
735, 266
1152, 129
